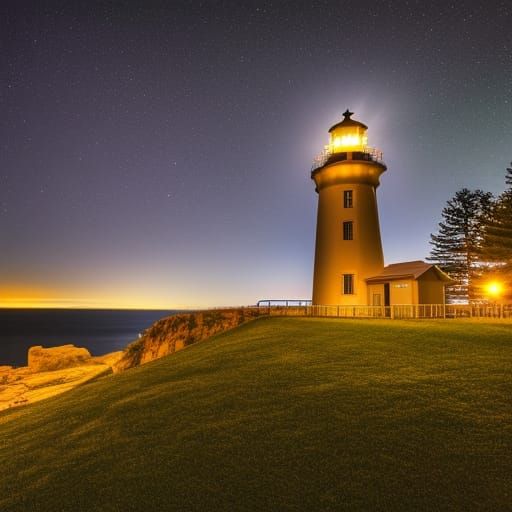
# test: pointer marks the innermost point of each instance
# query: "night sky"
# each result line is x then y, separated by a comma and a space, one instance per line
158, 154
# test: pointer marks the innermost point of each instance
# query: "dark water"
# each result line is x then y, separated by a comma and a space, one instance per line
100, 331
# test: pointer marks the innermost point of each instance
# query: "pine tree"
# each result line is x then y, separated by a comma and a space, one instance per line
508, 177
497, 242
456, 246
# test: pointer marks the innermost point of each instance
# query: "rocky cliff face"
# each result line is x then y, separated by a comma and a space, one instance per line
176, 332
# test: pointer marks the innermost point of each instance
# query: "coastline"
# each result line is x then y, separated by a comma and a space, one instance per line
101, 331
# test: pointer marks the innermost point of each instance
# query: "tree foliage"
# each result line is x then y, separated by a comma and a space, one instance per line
496, 246
456, 248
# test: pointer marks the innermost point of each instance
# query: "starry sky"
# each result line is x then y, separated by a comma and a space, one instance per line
158, 154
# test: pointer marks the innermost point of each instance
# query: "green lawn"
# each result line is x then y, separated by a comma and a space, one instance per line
280, 414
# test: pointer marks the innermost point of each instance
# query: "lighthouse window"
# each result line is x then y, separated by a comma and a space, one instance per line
347, 199
348, 230
348, 284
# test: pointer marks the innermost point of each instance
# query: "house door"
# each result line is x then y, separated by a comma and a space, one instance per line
386, 294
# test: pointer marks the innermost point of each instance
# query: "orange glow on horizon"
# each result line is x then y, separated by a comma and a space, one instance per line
39, 298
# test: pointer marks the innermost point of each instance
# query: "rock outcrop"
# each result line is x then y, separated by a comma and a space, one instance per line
176, 332
56, 358
70, 367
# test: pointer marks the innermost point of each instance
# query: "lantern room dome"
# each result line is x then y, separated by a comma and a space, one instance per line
347, 122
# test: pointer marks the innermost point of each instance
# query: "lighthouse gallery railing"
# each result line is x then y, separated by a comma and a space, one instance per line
367, 153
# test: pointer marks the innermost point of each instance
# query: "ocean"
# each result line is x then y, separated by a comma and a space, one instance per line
100, 331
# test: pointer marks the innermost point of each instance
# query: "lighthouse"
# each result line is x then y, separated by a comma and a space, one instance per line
348, 247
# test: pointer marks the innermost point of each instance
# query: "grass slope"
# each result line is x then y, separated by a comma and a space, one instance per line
280, 414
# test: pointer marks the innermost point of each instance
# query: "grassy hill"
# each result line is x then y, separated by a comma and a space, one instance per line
280, 414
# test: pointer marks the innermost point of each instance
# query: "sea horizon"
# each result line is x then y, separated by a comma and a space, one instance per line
95, 308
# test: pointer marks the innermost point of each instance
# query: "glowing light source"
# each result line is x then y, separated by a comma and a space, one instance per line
348, 141
494, 288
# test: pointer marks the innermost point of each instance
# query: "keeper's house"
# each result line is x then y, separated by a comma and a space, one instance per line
412, 282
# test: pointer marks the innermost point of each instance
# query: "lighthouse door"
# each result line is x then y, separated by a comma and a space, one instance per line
386, 294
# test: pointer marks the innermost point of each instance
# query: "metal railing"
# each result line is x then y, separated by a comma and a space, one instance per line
366, 153
284, 302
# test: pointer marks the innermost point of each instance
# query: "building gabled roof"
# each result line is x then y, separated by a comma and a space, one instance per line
408, 270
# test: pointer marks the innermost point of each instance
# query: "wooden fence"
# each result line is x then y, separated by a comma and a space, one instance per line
498, 311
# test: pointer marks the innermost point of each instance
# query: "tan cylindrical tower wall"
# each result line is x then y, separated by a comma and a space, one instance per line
334, 257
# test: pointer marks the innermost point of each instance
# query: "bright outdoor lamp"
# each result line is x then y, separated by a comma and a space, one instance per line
494, 289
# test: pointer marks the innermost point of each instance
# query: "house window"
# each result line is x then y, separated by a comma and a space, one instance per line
347, 199
348, 284
348, 230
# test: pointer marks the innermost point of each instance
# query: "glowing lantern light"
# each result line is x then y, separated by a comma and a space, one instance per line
348, 135
350, 140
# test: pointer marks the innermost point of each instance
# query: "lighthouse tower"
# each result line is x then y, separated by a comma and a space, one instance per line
348, 244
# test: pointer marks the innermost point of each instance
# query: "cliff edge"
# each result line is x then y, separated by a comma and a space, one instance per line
174, 333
